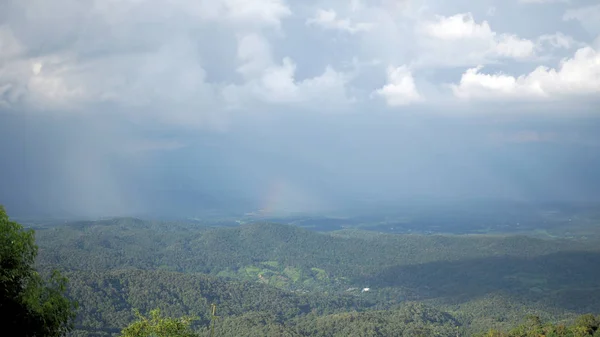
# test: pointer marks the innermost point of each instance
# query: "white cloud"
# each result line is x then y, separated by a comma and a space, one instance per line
36, 68
459, 39
557, 40
579, 75
168, 85
278, 84
11, 88
513, 47
157, 68
242, 12
329, 87
400, 89
328, 19
269, 12
54, 85
271, 82
47, 82
254, 54
456, 27
193, 59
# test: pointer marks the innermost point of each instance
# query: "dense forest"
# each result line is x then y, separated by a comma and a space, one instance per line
270, 279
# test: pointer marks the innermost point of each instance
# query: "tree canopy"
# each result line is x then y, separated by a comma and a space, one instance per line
30, 305
158, 326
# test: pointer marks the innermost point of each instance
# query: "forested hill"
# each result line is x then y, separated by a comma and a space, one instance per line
414, 320
107, 299
284, 278
116, 244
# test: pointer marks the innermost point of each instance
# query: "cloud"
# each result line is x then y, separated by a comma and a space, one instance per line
277, 84
328, 19
254, 54
11, 89
459, 39
168, 84
268, 81
400, 89
576, 76
9, 45
160, 72
456, 27
588, 16
155, 72
543, 1
187, 63
264, 12
108, 103
513, 46
257, 13
557, 40
55, 84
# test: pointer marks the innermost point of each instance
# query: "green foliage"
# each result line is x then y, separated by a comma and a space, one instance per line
108, 298
270, 279
100, 245
411, 320
156, 325
320, 274
29, 304
584, 326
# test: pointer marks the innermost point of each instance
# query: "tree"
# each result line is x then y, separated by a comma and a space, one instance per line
29, 304
588, 323
157, 326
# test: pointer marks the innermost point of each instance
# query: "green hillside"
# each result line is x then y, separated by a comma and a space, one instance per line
272, 279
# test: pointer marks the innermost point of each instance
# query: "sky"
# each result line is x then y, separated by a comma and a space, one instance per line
120, 107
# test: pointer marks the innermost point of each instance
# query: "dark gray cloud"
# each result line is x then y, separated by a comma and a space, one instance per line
303, 162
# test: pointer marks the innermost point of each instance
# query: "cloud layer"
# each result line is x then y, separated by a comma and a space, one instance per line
201, 58
126, 104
